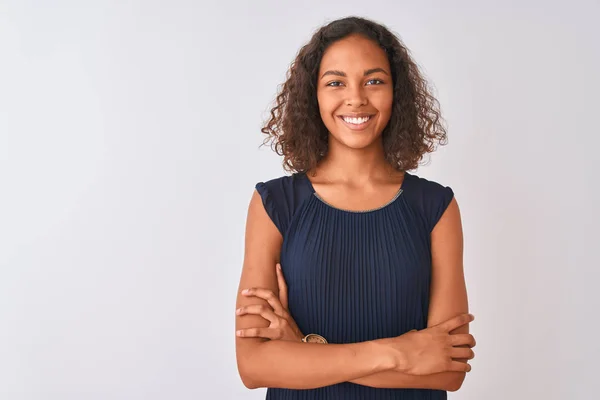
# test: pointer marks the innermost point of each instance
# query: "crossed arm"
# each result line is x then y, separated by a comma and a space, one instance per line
263, 363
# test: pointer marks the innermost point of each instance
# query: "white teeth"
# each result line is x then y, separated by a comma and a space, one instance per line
356, 121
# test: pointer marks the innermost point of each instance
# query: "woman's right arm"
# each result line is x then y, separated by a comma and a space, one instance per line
284, 364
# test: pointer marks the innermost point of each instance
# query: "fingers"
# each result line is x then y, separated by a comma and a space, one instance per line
461, 339
267, 295
456, 322
283, 296
274, 331
259, 309
459, 366
266, 333
462, 352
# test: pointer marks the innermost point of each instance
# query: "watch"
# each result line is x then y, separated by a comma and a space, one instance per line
314, 338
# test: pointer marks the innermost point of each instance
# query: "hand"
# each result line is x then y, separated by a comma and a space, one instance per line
283, 326
434, 349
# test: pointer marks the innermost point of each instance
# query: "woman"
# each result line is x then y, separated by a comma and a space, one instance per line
352, 285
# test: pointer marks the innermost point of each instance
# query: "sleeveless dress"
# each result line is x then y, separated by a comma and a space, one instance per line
355, 276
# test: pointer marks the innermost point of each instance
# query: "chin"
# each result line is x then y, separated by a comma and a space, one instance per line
356, 141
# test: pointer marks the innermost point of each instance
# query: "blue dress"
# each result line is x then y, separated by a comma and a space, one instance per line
354, 276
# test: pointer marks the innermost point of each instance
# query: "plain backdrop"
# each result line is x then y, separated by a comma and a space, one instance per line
129, 150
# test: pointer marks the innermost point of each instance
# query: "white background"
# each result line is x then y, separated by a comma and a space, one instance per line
129, 149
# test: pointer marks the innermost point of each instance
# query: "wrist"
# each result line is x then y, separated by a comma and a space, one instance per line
400, 360
384, 355
395, 355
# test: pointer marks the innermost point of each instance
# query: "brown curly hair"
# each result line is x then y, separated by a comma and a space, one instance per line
296, 131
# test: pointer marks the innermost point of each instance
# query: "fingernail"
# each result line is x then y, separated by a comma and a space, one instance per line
278, 266
245, 291
239, 333
238, 311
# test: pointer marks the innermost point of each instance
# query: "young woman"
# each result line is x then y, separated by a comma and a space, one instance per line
352, 285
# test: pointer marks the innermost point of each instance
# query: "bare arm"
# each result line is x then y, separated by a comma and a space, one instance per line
276, 363
448, 298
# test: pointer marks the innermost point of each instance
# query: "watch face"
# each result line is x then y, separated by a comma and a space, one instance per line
313, 338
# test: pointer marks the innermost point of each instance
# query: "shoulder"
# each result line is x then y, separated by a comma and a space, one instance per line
282, 183
286, 188
425, 186
430, 197
282, 196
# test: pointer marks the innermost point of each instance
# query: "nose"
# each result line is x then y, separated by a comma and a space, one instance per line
356, 97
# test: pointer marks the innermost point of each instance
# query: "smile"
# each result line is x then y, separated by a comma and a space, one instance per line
356, 123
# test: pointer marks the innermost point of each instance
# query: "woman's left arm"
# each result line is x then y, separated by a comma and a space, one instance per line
448, 298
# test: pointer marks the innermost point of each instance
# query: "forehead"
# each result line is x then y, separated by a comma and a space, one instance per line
354, 52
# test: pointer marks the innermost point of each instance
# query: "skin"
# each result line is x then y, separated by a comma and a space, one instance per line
353, 176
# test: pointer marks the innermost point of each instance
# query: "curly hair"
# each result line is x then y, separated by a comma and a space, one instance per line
296, 131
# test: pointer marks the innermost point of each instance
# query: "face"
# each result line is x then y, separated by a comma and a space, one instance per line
355, 91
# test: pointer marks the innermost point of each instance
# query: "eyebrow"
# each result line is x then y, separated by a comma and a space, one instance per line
342, 73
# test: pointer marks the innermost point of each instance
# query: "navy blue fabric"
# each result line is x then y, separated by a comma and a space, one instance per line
356, 276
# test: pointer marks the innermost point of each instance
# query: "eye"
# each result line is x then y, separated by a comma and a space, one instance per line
379, 82
332, 84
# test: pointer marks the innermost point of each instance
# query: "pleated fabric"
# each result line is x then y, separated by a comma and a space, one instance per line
355, 276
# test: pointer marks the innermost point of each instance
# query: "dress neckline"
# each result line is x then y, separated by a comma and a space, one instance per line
387, 204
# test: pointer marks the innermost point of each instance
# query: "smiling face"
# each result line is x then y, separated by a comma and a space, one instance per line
355, 91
